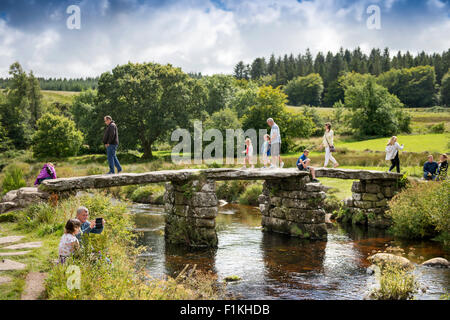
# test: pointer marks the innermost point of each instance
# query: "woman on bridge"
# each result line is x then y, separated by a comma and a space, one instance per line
392, 150
328, 143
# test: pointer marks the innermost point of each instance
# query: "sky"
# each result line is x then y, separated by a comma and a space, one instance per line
207, 36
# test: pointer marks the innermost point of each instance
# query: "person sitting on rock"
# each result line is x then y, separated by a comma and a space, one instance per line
303, 163
69, 242
86, 225
430, 169
48, 172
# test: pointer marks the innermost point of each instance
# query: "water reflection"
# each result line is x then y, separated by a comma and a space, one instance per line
275, 266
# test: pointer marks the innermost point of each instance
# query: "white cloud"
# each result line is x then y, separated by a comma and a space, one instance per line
202, 37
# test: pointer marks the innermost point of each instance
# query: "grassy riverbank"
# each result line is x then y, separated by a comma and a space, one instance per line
123, 277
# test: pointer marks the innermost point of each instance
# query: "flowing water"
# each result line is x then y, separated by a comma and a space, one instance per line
274, 266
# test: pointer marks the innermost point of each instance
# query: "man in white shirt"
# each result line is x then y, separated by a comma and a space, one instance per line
275, 144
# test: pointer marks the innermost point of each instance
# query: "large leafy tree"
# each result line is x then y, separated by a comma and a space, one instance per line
305, 90
375, 112
220, 92
415, 87
271, 103
57, 137
148, 101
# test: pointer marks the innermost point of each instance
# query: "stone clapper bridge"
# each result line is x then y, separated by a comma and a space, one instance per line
289, 202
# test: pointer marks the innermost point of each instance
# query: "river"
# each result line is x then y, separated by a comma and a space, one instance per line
274, 266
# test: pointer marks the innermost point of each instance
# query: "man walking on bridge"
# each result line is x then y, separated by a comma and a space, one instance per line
275, 146
111, 141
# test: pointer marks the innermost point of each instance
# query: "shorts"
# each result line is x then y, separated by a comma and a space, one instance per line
301, 168
275, 149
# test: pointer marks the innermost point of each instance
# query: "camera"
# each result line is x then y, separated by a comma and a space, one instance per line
99, 223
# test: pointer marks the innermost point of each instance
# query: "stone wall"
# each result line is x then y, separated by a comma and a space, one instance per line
191, 211
369, 202
294, 206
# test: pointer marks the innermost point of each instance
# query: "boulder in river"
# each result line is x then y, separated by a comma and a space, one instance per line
437, 262
383, 258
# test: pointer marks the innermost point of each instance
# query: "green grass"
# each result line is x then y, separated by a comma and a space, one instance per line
63, 97
413, 143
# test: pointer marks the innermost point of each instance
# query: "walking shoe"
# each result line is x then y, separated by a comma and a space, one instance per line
315, 180
282, 165
272, 166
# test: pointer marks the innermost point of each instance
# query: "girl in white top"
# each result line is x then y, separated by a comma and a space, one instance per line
392, 150
248, 154
69, 242
327, 142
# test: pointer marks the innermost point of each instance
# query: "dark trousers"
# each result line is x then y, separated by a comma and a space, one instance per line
395, 163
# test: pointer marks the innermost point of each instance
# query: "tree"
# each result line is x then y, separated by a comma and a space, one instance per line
259, 68
220, 92
84, 111
57, 137
148, 101
375, 112
305, 90
240, 70
415, 87
445, 90
244, 99
15, 112
35, 99
271, 103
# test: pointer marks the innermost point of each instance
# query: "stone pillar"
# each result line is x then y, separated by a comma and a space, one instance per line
294, 206
369, 202
191, 211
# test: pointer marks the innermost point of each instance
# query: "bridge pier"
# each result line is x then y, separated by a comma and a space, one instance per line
294, 206
369, 202
191, 208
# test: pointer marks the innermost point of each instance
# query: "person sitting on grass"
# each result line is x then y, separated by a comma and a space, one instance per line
47, 172
69, 242
442, 167
303, 163
86, 225
430, 169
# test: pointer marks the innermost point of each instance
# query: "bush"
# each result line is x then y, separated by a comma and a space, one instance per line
148, 194
231, 191
251, 194
14, 179
437, 128
421, 211
56, 137
396, 283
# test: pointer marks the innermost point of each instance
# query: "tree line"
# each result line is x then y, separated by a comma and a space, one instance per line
279, 71
150, 100
60, 84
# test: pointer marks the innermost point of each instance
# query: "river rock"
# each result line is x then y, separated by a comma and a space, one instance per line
383, 258
10, 196
437, 262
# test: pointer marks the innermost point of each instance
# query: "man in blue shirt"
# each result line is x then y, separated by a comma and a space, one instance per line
430, 169
86, 225
303, 165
